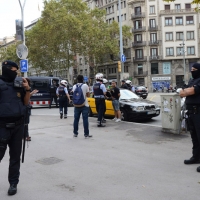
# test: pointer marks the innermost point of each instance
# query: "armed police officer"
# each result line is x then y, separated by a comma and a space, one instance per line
192, 94
99, 91
13, 100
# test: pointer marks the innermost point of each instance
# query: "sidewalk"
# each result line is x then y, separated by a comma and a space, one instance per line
124, 161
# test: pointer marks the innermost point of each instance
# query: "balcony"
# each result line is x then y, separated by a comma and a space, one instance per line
138, 44
143, 59
135, 1
154, 42
153, 28
177, 11
141, 74
138, 29
137, 15
152, 58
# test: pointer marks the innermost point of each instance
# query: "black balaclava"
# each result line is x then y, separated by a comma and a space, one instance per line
7, 74
196, 74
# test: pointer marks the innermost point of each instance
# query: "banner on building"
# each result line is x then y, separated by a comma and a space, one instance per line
166, 68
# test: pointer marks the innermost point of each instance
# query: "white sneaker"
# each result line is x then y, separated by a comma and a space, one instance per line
115, 119
118, 120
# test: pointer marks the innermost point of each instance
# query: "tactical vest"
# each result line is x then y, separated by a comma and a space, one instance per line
61, 91
193, 99
11, 104
97, 90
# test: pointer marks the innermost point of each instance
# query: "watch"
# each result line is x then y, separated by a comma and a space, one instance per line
29, 90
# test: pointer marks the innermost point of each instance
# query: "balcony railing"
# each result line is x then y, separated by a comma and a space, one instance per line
136, 59
138, 15
138, 29
155, 58
154, 42
176, 11
153, 28
141, 74
138, 44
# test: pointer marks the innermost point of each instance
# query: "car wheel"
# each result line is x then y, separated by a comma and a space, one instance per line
144, 97
90, 114
124, 115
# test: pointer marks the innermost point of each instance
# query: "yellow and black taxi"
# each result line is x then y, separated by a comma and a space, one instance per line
132, 107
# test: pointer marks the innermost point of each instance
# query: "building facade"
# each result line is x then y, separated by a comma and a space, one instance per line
163, 34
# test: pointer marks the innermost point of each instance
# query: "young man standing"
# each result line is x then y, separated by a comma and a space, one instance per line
82, 109
115, 93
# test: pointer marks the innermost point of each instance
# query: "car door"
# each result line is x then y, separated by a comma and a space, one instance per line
91, 102
109, 108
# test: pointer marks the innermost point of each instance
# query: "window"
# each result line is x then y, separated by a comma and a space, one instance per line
179, 20
124, 17
153, 37
126, 69
138, 38
187, 6
85, 72
137, 10
139, 53
154, 68
140, 81
154, 52
168, 21
190, 51
140, 69
152, 10
124, 4
189, 20
80, 61
169, 51
152, 23
179, 51
169, 36
138, 24
179, 36
177, 6
81, 72
190, 35
167, 7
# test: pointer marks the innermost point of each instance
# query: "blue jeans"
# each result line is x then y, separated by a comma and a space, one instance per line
77, 113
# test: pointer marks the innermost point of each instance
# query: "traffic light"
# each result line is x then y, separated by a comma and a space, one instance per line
119, 66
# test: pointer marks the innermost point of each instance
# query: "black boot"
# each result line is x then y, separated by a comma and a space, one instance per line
12, 190
198, 169
192, 160
61, 115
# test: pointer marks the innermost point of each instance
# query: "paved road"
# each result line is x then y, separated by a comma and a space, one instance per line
121, 162
55, 112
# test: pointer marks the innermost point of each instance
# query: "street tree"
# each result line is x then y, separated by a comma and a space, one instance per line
68, 28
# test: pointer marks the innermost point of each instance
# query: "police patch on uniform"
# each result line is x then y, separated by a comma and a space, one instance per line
19, 94
77, 94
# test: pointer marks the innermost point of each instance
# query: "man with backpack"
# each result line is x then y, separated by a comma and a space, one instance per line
81, 106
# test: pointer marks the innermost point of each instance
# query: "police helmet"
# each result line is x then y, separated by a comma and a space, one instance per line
99, 76
63, 82
128, 82
105, 81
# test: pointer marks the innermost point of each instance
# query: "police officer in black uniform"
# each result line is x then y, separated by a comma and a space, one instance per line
192, 94
13, 98
64, 97
99, 91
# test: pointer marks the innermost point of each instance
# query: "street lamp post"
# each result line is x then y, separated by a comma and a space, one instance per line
22, 16
121, 41
183, 45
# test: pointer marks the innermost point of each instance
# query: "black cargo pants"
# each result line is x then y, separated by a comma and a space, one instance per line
12, 138
100, 107
194, 128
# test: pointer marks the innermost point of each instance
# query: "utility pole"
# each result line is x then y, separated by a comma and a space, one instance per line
121, 41
22, 16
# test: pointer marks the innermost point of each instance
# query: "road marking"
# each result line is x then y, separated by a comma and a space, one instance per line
152, 97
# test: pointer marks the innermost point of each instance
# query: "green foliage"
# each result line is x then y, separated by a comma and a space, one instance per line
68, 28
9, 53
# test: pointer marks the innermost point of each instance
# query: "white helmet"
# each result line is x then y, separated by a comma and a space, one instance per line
99, 76
128, 82
178, 90
105, 81
64, 82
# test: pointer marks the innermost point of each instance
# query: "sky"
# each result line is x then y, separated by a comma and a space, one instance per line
10, 11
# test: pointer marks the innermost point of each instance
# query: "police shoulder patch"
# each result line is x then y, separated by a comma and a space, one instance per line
19, 94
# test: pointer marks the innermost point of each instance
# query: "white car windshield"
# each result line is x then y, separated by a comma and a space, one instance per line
126, 94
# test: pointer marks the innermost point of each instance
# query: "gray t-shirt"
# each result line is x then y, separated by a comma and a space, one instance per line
85, 90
